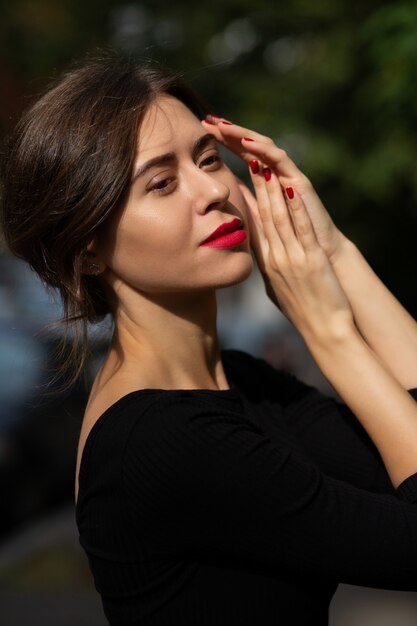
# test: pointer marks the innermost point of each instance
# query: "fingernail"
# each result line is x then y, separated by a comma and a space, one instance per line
224, 122
267, 173
248, 139
212, 115
290, 192
254, 166
208, 122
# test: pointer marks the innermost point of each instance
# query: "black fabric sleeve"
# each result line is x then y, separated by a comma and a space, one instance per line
206, 483
408, 489
326, 429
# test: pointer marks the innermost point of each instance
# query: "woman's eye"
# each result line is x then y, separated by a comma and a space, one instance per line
214, 158
161, 185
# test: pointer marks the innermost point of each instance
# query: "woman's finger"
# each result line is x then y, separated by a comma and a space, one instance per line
230, 135
234, 144
265, 211
280, 214
240, 140
275, 157
301, 220
258, 239
236, 131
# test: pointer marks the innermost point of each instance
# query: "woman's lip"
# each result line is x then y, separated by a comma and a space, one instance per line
228, 240
223, 229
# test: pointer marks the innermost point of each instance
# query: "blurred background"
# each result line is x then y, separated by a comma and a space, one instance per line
334, 83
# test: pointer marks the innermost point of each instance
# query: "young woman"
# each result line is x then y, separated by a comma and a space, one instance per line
212, 488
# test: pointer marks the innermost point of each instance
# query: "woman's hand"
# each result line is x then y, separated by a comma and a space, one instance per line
305, 284
264, 149
297, 273
381, 320
296, 245
294, 239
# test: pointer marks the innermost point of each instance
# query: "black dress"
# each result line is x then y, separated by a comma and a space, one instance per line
239, 507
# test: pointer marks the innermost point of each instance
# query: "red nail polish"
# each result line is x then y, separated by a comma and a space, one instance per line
228, 123
208, 122
212, 115
267, 173
254, 166
290, 192
248, 139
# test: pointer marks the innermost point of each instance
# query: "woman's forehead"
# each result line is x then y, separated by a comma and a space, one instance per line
167, 122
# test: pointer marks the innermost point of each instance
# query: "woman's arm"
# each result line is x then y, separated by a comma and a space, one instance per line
229, 491
383, 322
387, 413
324, 429
299, 277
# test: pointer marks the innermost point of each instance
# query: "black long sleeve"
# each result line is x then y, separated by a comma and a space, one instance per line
231, 492
326, 429
202, 507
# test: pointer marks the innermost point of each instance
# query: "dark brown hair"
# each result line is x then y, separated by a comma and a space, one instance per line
67, 168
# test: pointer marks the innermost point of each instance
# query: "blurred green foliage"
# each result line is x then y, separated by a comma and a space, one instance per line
332, 81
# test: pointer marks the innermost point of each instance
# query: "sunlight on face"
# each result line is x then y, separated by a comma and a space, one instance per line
181, 192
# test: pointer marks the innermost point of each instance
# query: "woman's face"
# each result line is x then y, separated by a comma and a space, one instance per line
154, 243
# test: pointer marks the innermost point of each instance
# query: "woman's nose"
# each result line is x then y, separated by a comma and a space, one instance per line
209, 192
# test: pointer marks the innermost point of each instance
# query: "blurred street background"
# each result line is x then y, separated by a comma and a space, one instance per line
334, 83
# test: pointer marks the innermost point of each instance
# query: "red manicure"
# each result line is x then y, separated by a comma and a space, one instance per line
248, 139
212, 115
290, 192
254, 166
228, 123
267, 173
208, 122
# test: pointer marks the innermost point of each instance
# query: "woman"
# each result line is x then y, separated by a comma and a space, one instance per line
211, 488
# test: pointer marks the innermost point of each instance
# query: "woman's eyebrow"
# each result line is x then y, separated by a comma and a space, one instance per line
170, 157
202, 142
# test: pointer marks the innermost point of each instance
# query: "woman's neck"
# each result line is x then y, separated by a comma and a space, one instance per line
169, 339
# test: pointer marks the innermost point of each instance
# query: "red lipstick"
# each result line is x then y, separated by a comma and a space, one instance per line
226, 235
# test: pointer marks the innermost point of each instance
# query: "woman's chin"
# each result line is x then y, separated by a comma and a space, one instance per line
239, 275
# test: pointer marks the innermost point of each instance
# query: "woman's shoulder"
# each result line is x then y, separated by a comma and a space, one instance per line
250, 377
123, 405
147, 410
119, 394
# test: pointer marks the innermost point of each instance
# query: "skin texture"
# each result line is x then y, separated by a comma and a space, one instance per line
163, 283
383, 322
296, 248
196, 198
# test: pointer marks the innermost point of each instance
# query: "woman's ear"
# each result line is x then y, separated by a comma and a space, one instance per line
91, 263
